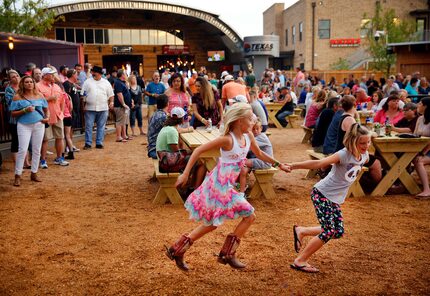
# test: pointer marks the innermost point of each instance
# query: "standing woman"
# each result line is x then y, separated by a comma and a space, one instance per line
206, 104
136, 112
423, 129
31, 110
10, 92
178, 96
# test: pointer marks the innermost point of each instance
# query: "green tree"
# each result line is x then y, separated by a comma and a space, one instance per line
28, 17
340, 64
394, 30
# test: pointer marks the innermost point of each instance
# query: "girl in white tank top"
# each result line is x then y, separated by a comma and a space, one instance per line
216, 199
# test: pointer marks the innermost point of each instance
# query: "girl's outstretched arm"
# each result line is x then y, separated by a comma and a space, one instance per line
316, 164
224, 142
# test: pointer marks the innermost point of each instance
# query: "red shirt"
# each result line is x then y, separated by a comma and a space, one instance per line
55, 107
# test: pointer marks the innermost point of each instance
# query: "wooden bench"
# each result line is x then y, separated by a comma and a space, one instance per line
167, 188
292, 121
263, 186
297, 111
355, 188
308, 134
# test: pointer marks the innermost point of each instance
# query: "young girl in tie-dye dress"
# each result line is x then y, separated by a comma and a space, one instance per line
217, 199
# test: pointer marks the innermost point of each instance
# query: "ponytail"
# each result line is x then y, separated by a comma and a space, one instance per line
350, 140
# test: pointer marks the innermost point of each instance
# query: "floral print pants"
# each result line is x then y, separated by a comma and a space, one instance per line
329, 215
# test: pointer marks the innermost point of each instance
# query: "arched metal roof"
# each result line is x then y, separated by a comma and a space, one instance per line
151, 6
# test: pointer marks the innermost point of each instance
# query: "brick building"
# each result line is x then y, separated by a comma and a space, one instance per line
315, 34
147, 35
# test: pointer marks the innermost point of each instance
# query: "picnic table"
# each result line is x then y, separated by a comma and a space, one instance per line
398, 154
199, 137
272, 109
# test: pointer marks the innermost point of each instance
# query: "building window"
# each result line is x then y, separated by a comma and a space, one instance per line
293, 34
365, 27
421, 24
324, 29
300, 31
286, 37
59, 34
120, 36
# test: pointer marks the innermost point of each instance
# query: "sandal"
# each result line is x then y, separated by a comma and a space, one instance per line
121, 141
305, 268
297, 242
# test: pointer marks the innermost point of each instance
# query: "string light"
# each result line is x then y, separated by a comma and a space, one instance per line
11, 45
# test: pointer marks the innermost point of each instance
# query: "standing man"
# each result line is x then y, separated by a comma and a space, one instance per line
85, 74
71, 88
63, 73
122, 105
37, 74
98, 101
153, 90
299, 77
54, 95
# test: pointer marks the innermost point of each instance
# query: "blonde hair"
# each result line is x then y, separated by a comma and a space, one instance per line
234, 113
258, 122
131, 77
352, 136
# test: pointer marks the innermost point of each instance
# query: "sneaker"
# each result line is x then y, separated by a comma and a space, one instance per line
76, 149
43, 164
87, 147
60, 161
49, 152
99, 146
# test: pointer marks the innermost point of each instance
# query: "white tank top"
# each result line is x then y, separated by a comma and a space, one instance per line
236, 153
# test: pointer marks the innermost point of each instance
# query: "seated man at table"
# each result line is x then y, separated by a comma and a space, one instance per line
156, 123
408, 122
288, 107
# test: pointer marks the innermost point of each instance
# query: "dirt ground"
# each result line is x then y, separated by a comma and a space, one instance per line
91, 229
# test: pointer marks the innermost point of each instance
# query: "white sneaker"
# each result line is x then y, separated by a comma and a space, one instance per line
60, 161
43, 164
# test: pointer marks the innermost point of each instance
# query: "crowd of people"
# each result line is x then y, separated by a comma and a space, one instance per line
46, 104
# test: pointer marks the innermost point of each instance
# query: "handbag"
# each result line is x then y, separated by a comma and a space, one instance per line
173, 162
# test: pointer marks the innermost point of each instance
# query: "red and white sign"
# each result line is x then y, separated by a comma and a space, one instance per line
345, 42
175, 49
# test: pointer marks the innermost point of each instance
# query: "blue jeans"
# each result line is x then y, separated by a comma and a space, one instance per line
152, 154
136, 113
281, 117
100, 118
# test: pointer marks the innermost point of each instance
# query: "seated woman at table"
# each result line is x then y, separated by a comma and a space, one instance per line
377, 97
168, 140
206, 104
315, 109
265, 93
390, 112
423, 129
408, 122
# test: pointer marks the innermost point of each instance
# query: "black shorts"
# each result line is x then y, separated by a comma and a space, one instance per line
67, 121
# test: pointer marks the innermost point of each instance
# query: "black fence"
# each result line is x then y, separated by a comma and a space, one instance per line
5, 135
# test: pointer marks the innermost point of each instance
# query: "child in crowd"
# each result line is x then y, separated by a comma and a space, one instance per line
329, 193
216, 199
252, 162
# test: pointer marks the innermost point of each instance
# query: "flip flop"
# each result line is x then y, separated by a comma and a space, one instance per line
305, 268
121, 141
297, 242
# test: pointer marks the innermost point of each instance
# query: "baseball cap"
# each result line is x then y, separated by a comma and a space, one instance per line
224, 73
229, 78
48, 70
178, 112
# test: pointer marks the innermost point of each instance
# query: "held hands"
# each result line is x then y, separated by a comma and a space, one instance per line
285, 167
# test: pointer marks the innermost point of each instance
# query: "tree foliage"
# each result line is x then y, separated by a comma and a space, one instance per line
28, 17
340, 64
395, 30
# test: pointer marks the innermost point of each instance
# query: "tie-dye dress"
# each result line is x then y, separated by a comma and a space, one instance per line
216, 199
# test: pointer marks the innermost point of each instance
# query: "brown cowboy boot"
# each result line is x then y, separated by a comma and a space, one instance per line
17, 181
228, 251
34, 177
177, 251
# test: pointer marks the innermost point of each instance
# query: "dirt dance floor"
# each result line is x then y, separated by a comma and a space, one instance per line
91, 229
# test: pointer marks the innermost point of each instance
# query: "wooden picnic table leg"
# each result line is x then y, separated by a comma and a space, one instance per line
397, 171
263, 186
272, 116
167, 190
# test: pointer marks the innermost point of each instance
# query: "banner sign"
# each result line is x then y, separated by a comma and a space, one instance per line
345, 42
175, 49
266, 45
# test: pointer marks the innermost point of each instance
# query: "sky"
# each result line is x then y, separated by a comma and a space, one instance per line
245, 17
